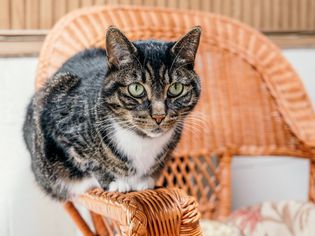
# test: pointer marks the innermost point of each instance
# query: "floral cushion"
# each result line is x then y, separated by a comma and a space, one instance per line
216, 228
274, 219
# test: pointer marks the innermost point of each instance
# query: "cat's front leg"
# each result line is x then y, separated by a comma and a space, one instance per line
131, 183
119, 185
143, 184
104, 179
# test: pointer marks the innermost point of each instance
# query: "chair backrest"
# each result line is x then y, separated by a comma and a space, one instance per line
252, 102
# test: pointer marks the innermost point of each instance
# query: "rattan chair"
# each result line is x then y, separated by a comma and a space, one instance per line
252, 103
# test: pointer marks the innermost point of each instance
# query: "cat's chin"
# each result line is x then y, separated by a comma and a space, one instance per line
157, 133
154, 135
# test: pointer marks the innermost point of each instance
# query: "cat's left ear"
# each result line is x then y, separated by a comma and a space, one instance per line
120, 50
186, 48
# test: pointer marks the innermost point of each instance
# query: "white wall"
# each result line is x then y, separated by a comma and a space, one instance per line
23, 208
25, 211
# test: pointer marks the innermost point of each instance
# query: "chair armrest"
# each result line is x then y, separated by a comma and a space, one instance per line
304, 129
163, 211
308, 129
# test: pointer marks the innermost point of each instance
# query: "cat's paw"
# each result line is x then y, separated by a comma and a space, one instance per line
147, 183
119, 186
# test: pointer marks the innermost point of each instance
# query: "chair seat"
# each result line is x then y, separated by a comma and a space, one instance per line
217, 228
266, 219
276, 218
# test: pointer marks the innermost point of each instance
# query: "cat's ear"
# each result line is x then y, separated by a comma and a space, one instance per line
185, 49
120, 50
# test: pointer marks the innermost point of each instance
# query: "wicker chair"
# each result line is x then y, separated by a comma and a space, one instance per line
252, 103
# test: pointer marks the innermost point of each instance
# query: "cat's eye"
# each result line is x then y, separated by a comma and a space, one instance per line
175, 89
136, 90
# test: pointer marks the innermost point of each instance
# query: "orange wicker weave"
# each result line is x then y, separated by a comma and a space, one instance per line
252, 103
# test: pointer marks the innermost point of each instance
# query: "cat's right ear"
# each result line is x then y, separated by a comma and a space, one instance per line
186, 48
120, 50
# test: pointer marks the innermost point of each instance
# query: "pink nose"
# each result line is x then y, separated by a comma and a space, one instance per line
158, 118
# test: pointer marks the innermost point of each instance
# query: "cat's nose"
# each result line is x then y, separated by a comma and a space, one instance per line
158, 118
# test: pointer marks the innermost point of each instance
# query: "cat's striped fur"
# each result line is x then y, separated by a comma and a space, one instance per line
84, 129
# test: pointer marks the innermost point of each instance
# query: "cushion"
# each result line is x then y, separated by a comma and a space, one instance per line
216, 228
276, 218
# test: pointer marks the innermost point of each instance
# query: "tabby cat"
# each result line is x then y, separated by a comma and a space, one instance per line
111, 118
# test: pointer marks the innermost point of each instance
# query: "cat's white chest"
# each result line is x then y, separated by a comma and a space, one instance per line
141, 151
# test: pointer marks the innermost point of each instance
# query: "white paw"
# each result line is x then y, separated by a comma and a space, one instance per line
147, 183
119, 186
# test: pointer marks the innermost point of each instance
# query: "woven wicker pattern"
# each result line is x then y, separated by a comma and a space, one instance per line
159, 212
252, 102
201, 177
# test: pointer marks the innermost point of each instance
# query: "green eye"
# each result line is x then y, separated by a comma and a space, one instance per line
175, 89
136, 90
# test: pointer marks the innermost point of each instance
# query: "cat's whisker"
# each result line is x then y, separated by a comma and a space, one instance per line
194, 128
201, 119
202, 125
196, 122
138, 61
177, 56
181, 66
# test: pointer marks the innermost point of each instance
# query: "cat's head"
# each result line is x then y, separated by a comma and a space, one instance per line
151, 86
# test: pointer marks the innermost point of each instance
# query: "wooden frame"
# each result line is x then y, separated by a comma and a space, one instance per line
21, 42
28, 43
269, 16
289, 23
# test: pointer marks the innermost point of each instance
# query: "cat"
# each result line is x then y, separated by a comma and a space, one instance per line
111, 118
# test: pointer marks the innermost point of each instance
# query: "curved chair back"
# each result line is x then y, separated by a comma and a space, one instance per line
252, 102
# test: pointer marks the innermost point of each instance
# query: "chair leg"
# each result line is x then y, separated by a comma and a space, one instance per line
102, 229
224, 207
78, 220
311, 191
